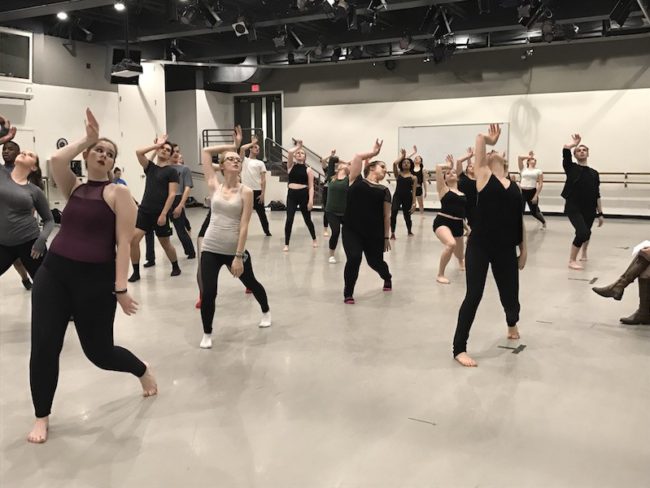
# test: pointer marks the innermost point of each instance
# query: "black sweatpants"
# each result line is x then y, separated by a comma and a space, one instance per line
405, 202
335, 222
582, 219
9, 254
180, 224
324, 204
62, 288
506, 274
356, 245
261, 213
527, 194
295, 199
211, 264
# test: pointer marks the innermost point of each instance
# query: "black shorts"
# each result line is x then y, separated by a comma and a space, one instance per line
418, 191
455, 226
149, 221
204, 225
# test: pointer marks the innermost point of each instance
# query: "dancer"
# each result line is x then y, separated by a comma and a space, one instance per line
253, 175
159, 194
339, 184
638, 268
21, 241
366, 223
84, 274
532, 182
300, 192
10, 151
404, 197
329, 166
467, 184
498, 230
420, 174
225, 239
581, 193
448, 224
177, 216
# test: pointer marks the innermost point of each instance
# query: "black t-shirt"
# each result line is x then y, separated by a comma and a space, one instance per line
364, 212
582, 186
498, 218
468, 187
156, 188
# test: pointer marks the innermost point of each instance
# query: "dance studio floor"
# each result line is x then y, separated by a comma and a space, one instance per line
345, 396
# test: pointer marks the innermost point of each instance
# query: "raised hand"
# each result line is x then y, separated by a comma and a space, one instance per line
92, 127
415, 149
531, 154
470, 152
577, 139
402, 153
377, 147
160, 140
333, 152
254, 139
237, 135
450, 159
494, 133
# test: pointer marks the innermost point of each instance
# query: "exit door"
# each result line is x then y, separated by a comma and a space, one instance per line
263, 112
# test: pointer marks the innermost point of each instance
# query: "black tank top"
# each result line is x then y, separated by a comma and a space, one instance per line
298, 174
404, 185
453, 204
419, 175
498, 215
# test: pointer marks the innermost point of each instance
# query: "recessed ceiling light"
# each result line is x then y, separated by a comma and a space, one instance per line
119, 6
62, 16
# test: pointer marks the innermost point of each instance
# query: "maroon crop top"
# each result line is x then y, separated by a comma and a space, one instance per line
87, 231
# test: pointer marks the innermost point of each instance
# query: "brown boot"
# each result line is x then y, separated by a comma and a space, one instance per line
642, 315
615, 290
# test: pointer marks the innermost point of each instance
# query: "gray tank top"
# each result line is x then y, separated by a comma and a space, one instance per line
223, 231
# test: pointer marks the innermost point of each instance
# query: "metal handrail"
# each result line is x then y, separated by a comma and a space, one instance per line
320, 174
212, 137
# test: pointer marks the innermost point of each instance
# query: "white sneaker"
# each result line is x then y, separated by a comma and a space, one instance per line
332, 260
206, 342
266, 320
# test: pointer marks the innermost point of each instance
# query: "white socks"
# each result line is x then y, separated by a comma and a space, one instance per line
266, 320
206, 342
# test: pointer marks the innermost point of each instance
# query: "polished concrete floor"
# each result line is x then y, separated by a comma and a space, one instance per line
334, 395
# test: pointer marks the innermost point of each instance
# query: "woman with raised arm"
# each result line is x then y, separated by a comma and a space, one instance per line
581, 193
498, 230
532, 182
448, 224
300, 192
467, 184
421, 175
84, 274
339, 184
21, 241
366, 223
225, 239
404, 196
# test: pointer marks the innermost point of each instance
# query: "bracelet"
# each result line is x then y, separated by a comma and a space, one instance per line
119, 292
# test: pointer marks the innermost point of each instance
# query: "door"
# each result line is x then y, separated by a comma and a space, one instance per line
262, 112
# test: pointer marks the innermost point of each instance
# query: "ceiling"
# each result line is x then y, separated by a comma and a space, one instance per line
302, 32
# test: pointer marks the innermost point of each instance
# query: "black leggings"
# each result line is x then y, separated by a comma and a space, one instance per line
335, 222
356, 245
527, 194
261, 213
62, 288
405, 202
9, 254
506, 274
581, 219
324, 204
211, 264
295, 199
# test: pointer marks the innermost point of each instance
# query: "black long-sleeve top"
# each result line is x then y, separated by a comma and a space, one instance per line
582, 186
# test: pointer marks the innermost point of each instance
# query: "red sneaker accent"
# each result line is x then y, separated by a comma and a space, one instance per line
349, 301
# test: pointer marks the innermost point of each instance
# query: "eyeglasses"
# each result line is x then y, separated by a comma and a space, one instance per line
233, 158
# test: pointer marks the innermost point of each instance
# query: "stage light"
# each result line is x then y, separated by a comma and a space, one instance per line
62, 16
119, 6
405, 42
336, 54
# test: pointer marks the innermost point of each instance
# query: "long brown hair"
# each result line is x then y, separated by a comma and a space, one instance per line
36, 176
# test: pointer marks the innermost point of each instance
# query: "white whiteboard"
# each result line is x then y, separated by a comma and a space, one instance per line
434, 142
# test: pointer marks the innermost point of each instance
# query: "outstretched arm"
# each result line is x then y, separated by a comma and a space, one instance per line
356, 165
11, 131
567, 160
400, 158
440, 177
64, 178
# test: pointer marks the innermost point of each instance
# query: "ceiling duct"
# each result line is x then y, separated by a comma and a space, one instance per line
232, 74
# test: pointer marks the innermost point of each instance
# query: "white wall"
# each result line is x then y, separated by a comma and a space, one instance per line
613, 123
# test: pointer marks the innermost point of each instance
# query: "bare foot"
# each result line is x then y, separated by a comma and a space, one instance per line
575, 265
513, 333
442, 280
285, 249
314, 244
38, 434
149, 385
584, 258
325, 233
465, 360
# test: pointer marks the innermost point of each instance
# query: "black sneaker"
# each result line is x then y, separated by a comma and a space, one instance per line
149, 264
134, 277
175, 272
191, 255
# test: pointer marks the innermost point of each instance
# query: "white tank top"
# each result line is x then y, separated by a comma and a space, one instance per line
223, 231
529, 177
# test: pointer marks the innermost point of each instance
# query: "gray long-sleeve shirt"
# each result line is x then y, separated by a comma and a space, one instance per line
17, 222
